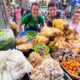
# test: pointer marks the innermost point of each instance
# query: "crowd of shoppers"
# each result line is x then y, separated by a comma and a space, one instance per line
35, 21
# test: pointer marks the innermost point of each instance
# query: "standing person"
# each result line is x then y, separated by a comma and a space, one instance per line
11, 12
75, 22
32, 21
26, 9
18, 14
52, 14
67, 10
55, 1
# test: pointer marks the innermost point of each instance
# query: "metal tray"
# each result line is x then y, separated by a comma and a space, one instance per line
68, 73
73, 77
66, 77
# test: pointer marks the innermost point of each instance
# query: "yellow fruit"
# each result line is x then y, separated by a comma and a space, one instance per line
13, 25
59, 23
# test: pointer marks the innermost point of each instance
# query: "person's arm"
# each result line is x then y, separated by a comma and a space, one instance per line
42, 21
48, 21
20, 27
22, 21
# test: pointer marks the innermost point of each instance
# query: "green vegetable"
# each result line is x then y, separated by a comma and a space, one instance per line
2, 33
31, 35
6, 42
42, 49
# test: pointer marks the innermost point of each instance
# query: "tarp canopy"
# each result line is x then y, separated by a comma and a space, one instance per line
74, 1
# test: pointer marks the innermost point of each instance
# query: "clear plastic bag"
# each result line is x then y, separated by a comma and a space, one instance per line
7, 39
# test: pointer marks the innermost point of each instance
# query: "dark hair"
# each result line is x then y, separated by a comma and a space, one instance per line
35, 3
52, 5
75, 12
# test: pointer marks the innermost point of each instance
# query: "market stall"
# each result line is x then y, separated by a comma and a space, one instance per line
51, 54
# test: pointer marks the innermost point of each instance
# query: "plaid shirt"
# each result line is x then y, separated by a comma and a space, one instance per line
49, 19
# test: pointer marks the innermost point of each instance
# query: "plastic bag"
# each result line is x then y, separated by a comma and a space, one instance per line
7, 39
13, 65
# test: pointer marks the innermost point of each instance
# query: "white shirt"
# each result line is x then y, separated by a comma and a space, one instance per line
75, 27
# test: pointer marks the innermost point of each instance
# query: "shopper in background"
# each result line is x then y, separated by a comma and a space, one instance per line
68, 10
11, 11
18, 14
75, 21
32, 21
52, 14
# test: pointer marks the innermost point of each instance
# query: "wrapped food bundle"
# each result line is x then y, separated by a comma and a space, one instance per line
56, 30
47, 31
59, 23
7, 39
24, 47
21, 41
72, 36
57, 38
53, 46
41, 39
48, 70
13, 65
63, 54
75, 45
56, 45
35, 59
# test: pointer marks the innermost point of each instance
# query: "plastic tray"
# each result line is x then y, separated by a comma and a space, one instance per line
39, 45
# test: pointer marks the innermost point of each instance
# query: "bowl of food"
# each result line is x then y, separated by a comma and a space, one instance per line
29, 35
42, 49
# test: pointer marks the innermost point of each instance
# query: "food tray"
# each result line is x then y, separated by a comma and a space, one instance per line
70, 76
66, 75
23, 34
73, 77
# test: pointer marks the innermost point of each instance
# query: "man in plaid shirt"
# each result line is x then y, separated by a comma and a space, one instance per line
52, 14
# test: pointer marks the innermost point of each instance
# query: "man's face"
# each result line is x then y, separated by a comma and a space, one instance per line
35, 10
52, 11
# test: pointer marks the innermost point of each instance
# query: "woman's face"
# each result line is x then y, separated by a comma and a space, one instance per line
75, 17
